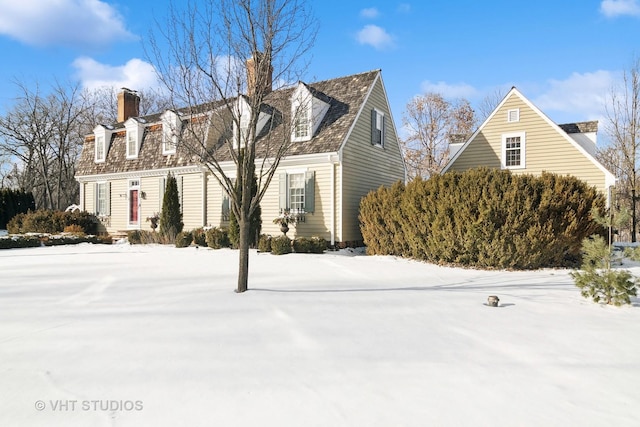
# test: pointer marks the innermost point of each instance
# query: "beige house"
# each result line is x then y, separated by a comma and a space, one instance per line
519, 137
345, 146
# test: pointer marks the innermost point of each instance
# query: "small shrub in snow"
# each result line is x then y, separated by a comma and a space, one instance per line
598, 280
134, 237
74, 229
199, 237
14, 242
313, 245
217, 238
264, 243
14, 226
184, 239
280, 245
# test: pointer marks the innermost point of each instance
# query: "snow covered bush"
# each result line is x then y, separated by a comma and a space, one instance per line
486, 218
598, 280
199, 237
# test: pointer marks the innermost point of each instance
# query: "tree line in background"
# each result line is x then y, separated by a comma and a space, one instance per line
41, 138
13, 202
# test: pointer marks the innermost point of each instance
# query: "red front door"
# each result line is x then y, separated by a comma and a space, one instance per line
134, 217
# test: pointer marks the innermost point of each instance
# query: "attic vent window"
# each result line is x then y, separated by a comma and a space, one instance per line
100, 149
377, 128
513, 115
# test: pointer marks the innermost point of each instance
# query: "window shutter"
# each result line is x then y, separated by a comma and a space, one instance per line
96, 190
309, 191
374, 134
107, 196
179, 182
283, 192
383, 127
162, 186
225, 205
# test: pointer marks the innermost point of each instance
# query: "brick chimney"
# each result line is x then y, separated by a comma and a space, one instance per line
128, 104
258, 65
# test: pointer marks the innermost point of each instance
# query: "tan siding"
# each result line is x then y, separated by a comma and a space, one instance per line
546, 149
366, 167
317, 223
119, 205
214, 203
192, 201
151, 203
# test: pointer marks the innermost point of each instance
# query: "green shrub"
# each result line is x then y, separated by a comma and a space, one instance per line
13, 202
171, 217
598, 280
280, 245
14, 226
134, 237
483, 217
318, 245
264, 243
199, 237
217, 238
74, 229
184, 239
14, 242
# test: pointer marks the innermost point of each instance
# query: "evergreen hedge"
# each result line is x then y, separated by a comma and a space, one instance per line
13, 202
171, 217
486, 218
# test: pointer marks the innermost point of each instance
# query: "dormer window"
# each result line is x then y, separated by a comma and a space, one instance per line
100, 149
307, 112
301, 123
171, 126
135, 131
102, 139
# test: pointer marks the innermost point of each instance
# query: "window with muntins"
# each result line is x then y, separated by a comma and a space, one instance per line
132, 143
296, 192
102, 197
100, 149
513, 150
302, 123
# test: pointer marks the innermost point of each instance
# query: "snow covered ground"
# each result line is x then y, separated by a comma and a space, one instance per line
125, 335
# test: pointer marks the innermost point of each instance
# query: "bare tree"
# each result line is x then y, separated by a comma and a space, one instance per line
200, 54
489, 104
623, 128
432, 122
40, 135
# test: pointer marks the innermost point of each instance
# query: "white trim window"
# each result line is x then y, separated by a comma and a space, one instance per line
102, 199
513, 150
297, 191
101, 149
513, 115
302, 123
377, 127
132, 143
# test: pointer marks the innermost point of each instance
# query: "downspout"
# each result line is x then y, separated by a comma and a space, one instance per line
82, 209
334, 160
204, 198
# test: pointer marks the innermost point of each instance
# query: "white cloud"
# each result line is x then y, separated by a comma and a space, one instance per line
375, 36
580, 96
85, 23
370, 13
449, 91
613, 8
135, 74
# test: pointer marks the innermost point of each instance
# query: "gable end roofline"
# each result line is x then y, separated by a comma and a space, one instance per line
610, 179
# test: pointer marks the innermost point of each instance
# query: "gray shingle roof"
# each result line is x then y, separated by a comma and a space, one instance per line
344, 95
580, 127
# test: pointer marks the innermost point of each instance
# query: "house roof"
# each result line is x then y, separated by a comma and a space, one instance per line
345, 96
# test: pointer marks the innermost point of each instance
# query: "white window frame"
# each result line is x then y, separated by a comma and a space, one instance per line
302, 122
513, 115
132, 138
101, 208
100, 154
300, 196
523, 151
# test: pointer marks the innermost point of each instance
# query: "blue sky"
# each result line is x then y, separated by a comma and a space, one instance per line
564, 55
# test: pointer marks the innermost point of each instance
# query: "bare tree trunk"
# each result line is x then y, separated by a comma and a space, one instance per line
243, 258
